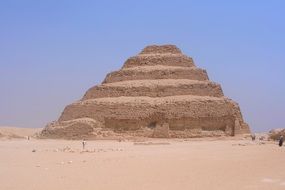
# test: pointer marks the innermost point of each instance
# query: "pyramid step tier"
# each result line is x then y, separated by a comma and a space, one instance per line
209, 113
141, 107
155, 88
155, 49
157, 72
159, 59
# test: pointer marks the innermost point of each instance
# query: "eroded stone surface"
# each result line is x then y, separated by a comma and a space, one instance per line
157, 72
159, 93
155, 88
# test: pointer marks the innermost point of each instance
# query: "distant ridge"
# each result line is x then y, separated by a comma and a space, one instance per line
18, 132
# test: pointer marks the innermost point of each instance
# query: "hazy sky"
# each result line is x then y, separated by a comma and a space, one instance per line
51, 52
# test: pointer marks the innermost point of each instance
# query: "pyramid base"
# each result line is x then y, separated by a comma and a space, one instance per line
87, 128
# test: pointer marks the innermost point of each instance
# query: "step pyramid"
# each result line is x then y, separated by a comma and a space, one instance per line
157, 93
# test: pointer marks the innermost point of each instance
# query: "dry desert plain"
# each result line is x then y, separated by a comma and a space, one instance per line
151, 164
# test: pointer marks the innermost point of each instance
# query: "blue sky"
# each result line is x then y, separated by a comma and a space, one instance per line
51, 52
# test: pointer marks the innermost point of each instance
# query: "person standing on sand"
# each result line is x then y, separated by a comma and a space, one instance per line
281, 140
83, 144
253, 137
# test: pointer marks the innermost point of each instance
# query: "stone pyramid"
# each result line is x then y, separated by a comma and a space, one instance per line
158, 93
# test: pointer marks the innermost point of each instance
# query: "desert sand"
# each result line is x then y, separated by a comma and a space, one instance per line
149, 164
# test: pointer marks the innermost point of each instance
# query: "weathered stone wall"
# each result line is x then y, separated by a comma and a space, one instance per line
155, 88
155, 49
157, 72
72, 129
141, 108
165, 60
180, 124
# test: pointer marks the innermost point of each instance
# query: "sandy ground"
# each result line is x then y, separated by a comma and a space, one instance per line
162, 164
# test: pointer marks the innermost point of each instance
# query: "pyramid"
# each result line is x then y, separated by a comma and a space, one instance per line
157, 93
